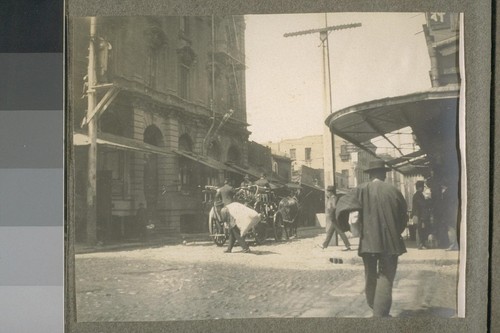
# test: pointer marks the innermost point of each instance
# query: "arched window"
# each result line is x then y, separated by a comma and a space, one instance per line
275, 167
185, 143
153, 136
214, 151
233, 154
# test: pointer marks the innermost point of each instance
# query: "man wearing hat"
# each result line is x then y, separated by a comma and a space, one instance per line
331, 201
420, 212
246, 181
383, 218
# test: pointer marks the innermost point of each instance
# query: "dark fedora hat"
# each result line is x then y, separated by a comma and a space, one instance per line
376, 166
331, 188
419, 183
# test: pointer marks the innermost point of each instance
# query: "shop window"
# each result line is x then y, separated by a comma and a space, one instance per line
293, 153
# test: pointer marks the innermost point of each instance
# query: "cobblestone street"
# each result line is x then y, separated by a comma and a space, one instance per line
289, 279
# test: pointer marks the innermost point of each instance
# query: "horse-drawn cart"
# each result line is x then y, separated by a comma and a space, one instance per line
278, 217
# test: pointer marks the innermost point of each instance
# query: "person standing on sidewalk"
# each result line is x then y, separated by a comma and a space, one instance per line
449, 211
383, 218
421, 214
331, 201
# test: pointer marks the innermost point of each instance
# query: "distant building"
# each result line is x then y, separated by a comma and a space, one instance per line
282, 168
308, 151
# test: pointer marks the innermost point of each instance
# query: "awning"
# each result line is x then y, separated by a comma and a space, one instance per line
275, 182
431, 115
119, 142
205, 160
249, 170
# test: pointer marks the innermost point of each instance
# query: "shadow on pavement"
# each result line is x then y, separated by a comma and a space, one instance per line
429, 312
259, 253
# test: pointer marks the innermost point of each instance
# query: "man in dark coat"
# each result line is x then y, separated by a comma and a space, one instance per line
420, 212
383, 219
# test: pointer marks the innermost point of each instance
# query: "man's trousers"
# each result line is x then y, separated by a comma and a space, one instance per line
380, 271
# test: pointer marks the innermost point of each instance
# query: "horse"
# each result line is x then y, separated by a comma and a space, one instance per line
285, 218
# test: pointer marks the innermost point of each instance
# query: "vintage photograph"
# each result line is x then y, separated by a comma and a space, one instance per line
266, 166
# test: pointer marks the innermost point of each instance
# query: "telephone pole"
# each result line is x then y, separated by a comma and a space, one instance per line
328, 151
328, 145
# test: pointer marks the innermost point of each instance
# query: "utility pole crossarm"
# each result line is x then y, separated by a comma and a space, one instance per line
311, 31
323, 36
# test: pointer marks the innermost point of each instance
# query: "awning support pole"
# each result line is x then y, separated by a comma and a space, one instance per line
92, 133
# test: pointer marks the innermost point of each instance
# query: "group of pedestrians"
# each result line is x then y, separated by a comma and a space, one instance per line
377, 212
423, 216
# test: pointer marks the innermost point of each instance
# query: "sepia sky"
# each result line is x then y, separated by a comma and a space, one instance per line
386, 56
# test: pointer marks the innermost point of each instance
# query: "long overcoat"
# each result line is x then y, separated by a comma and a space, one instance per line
383, 218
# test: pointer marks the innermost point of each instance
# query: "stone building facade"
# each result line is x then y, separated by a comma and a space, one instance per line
176, 122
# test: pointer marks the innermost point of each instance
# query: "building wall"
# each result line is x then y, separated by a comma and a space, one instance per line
260, 157
282, 168
145, 56
315, 143
349, 164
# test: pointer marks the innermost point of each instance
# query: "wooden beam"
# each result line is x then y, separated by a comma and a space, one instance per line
103, 104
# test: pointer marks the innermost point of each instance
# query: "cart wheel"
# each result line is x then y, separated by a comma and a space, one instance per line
278, 228
260, 233
218, 240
